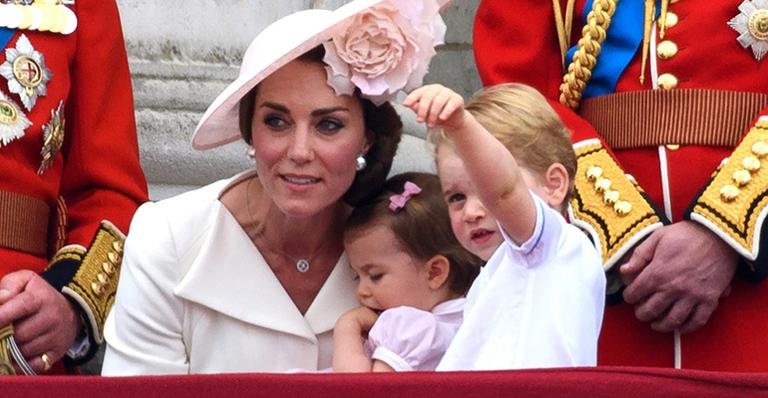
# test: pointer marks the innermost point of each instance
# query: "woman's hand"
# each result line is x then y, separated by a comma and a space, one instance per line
435, 105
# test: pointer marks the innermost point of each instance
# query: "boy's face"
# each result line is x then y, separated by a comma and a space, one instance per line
475, 228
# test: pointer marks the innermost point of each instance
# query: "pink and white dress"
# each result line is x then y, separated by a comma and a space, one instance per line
408, 339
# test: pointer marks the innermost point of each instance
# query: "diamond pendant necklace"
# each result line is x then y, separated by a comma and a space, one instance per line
302, 264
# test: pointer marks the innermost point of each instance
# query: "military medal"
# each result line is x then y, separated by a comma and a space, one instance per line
53, 137
12, 121
26, 72
752, 25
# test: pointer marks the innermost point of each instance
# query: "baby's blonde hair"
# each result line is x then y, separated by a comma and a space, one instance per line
521, 119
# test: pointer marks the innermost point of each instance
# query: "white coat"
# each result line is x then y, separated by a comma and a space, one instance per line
196, 296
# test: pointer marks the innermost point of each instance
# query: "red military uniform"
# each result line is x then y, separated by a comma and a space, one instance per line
670, 133
53, 198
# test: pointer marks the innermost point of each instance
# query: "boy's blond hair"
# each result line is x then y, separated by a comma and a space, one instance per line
520, 117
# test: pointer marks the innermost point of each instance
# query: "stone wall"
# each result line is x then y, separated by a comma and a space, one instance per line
182, 53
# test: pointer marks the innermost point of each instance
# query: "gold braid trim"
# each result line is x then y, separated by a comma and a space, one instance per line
589, 46
95, 283
735, 203
608, 205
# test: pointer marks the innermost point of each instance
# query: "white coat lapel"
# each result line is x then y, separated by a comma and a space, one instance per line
335, 297
230, 276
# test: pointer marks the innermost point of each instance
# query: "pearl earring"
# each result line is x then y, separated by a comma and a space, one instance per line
251, 153
360, 163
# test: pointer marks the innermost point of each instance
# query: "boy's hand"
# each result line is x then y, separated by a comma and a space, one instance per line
437, 105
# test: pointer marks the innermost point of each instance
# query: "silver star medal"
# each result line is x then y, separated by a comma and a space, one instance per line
13, 121
53, 137
752, 25
25, 70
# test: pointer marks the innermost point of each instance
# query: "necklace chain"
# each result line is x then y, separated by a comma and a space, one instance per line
303, 263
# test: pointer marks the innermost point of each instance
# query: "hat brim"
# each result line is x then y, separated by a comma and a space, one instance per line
277, 45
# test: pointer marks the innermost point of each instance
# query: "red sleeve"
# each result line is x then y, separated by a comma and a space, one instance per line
102, 178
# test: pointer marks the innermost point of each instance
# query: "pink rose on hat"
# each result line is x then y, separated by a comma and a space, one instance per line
384, 49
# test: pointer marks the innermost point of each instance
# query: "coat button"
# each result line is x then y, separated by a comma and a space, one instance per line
666, 49
671, 20
667, 81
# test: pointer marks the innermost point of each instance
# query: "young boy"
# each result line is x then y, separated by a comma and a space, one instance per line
506, 167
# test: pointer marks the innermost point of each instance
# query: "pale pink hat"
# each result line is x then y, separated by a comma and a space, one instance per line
291, 36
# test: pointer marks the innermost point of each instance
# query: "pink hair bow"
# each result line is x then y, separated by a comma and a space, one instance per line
397, 202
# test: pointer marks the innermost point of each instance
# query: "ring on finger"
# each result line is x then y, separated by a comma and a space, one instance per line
47, 363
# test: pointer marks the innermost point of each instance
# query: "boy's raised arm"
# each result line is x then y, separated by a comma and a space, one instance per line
492, 168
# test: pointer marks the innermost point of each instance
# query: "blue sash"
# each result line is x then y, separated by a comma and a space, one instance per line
624, 37
5, 36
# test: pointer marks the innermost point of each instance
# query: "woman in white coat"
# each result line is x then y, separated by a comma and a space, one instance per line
248, 274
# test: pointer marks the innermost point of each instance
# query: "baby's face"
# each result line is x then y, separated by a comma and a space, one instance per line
475, 228
387, 275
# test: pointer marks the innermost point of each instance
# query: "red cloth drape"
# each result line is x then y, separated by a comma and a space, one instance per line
625, 382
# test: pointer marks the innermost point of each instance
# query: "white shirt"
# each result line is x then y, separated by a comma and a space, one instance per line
536, 305
196, 296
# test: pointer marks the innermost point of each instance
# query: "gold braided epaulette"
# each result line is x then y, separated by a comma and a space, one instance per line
95, 282
608, 205
735, 202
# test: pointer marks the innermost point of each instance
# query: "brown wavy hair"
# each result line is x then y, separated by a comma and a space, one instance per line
422, 226
382, 123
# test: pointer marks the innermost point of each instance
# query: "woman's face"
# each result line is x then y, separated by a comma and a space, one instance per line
306, 139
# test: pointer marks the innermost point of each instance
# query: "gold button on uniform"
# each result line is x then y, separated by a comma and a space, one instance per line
594, 172
751, 163
97, 289
666, 49
741, 177
602, 184
671, 20
728, 193
610, 197
760, 148
672, 147
622, 208
667, 81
